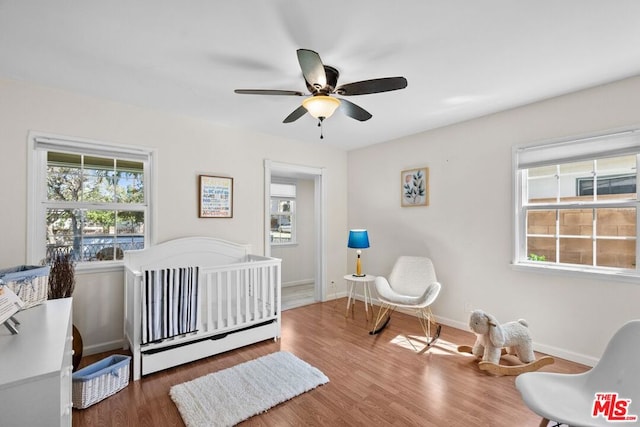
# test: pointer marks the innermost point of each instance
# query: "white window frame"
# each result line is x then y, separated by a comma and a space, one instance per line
614, 143
280, 197
39, 144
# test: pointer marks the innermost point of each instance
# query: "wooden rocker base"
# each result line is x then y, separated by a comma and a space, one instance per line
497, 369
380, 328
424, 316
516, 369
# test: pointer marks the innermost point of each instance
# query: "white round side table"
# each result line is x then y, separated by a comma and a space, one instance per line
352, 281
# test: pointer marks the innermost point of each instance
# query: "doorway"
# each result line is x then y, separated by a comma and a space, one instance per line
295, 230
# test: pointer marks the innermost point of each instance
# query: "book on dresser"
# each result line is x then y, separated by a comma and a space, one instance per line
10, 304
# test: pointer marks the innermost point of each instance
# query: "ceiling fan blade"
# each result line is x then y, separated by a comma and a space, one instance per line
365, 87
268, 92
354, 111
312, 68
297, 113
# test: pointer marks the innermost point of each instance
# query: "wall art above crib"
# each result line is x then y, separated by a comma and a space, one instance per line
215, 197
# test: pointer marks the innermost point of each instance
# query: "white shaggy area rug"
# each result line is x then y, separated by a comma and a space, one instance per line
226, 397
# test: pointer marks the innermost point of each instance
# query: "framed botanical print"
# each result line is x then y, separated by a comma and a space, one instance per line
415, 187
216, 197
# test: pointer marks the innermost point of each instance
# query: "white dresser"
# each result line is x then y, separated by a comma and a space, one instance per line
35, 367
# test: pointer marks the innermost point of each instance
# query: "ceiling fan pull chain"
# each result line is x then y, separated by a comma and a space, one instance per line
320, 126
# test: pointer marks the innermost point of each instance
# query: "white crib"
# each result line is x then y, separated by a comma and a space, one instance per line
238, 300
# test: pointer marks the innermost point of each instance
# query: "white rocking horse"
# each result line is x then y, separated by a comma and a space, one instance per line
494, 340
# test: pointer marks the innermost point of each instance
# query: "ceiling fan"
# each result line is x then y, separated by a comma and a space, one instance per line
322, 82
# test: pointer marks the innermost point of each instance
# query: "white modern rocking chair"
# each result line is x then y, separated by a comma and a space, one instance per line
570, 398
412, 284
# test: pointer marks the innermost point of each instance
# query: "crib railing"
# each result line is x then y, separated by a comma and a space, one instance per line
240, 294
238, 300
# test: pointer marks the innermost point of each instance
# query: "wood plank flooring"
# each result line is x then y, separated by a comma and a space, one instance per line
374, 380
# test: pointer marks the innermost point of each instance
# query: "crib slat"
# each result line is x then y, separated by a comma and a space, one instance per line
271, 290
218, 301
208, 296
260, 293
247, 299
264, 289
229, 314
256, 289
237, 289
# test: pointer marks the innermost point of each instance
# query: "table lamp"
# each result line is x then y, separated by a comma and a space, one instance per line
358, 239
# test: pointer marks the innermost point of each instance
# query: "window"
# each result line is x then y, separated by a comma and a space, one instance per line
618, 184
283, 213
577, 204
89, 199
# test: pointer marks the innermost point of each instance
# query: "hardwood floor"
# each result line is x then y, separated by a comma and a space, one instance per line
374, 380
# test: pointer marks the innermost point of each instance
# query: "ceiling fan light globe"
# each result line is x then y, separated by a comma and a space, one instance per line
321, 106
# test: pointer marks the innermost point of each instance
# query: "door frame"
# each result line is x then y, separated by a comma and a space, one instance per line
320, 218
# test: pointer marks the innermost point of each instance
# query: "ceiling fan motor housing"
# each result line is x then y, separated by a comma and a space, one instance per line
332, 81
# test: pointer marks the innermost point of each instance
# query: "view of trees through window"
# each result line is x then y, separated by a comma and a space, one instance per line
95, 206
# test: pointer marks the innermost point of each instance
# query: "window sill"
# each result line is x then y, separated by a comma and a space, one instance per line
100, 267
571, 271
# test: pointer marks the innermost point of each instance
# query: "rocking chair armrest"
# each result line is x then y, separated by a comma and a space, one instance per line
386, 293
383, 288
430, 295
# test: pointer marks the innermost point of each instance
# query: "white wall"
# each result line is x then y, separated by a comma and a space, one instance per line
467, 229
185, 148
298, 261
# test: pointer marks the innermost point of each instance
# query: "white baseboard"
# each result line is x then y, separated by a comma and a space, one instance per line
309, 281
540, 347
336, 295
102, 347
566, 354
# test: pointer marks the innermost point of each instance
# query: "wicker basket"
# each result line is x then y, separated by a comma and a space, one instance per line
100, 380
29, 282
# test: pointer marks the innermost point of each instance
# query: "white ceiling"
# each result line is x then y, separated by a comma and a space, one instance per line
462, 58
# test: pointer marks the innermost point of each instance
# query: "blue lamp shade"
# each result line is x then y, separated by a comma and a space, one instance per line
358, 239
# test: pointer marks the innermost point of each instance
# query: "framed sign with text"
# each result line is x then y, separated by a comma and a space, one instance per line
216, 197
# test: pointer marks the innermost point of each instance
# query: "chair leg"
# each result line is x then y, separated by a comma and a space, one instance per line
384, 313
425, 317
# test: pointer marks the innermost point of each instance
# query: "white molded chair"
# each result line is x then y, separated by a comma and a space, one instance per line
569, 398
412, 284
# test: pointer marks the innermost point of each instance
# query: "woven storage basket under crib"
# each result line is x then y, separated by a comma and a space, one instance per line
29, 282
100, 380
